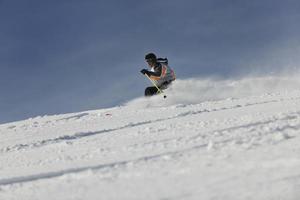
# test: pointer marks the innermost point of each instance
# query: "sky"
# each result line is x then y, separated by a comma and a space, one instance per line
59, 56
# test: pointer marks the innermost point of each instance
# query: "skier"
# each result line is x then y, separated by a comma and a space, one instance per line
161, 74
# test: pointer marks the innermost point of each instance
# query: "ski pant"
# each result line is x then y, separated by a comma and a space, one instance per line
150, 91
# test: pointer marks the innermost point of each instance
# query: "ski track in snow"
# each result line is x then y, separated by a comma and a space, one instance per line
222, 149
76, 136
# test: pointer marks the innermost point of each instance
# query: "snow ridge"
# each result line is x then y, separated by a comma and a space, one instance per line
227, 146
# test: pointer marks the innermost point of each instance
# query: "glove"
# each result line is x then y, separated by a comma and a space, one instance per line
144, 71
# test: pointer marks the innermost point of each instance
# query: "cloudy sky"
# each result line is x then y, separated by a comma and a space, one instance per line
59, 56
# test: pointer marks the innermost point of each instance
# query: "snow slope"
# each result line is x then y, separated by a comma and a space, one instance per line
222, 140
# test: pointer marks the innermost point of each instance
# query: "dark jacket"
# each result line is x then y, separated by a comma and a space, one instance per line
162, 74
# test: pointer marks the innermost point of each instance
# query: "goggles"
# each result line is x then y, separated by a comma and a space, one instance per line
150, 61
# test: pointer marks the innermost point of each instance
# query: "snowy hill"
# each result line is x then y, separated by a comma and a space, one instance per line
222, 140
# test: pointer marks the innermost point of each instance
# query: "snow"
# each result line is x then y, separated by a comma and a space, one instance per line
220, 140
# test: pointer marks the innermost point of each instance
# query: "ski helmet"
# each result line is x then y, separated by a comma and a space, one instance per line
150, 57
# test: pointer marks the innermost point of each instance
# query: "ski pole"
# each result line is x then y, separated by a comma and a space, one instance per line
159, 90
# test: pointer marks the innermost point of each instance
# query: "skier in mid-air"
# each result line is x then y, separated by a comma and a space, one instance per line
160, 74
